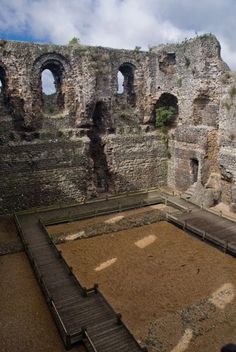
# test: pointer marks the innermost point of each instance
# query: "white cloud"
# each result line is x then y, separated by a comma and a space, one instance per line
121, 23
130, 23
228, 53
48, 84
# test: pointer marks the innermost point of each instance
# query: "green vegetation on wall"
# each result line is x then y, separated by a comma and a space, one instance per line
74, 41
164, 115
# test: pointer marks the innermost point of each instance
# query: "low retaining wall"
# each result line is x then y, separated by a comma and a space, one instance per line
103, 227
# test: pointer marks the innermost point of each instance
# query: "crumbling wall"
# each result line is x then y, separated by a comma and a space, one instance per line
98, 140
227, 133
195, 78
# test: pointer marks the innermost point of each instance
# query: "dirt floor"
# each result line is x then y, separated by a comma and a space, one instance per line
7, 229
175, 292
26, 324
9, 241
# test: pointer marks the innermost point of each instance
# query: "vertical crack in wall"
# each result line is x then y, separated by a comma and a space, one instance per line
102, 175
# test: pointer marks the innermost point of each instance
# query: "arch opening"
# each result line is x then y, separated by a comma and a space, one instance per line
125, 82
120, 81
166, 111
48, 82
51, 87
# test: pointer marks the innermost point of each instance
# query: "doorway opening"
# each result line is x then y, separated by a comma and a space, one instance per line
194, 166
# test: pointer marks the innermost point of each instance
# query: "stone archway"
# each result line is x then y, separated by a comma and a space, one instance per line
167, 100
126, 87
59, 67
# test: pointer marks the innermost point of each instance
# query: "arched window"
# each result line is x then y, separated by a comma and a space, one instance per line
48, 83
125, 82
120, 81
51, 87
165, 104
49, 92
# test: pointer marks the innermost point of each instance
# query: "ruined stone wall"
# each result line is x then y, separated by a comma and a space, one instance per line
46, 158
96, 140
227, 139
194, 76
136, 161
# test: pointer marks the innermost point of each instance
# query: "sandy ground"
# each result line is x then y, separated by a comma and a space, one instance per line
7, 230
175, 292
9, 241
26, 324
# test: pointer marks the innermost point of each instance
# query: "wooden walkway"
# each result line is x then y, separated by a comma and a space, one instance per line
84, 314
212, 228
80, 314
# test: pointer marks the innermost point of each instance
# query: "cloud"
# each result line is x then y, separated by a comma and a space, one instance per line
130, 23
48, 84
228, 53
120, 23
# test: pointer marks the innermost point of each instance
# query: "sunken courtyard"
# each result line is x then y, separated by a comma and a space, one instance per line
117, 198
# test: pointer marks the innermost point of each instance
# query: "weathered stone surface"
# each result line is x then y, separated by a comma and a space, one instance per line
205, 197
89, 139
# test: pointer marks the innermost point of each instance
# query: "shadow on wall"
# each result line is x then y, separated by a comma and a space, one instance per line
35, 190
11, 105
100, 124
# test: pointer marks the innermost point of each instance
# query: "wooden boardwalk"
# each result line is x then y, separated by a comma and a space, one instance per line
210, 227
80, 313
84, 314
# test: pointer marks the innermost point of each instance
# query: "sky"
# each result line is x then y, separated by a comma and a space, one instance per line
120, 23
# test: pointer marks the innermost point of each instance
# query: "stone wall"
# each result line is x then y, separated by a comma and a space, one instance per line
227, 143
43, 173
136, 161
88, 139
